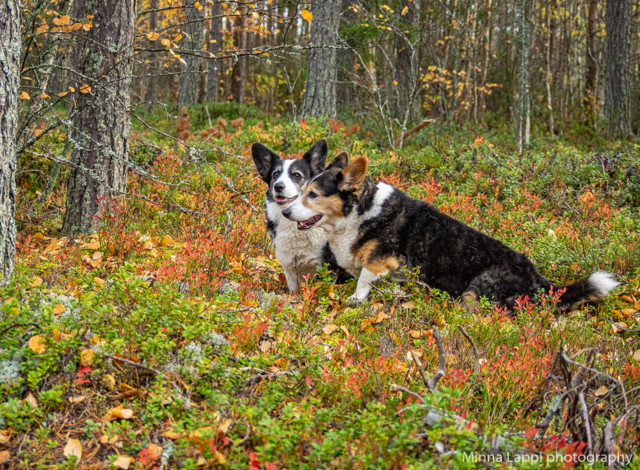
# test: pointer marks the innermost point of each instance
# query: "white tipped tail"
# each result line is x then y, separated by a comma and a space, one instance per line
603, 282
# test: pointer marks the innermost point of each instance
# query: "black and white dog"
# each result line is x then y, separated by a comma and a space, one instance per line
299, 253
374, 229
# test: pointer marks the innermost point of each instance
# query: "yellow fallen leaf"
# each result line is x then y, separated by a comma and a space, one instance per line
602, 391
636, 355
123, 462
87, 25
37, 132
73, 449
4, 436
94, 245
77, 399
121, 412
99, 282
224, 426
85, 89
381, 316
408, 304
35, 281
166, 240
39, 237
4, 456
154, 452
86, 357
58, 309
152, 36
306, 14
619, 327
24, 96
405, 10
344, 329
330, 328
414, 334
109, 381
37, 344
173, 435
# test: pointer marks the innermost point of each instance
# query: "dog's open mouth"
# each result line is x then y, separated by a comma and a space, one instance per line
307, 224
285, 200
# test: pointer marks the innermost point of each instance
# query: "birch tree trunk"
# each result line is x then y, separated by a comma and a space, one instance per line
320, 85
100, 119
10, 47
617, 109
523, 102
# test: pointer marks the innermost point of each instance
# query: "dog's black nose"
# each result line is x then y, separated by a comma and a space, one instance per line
287, 212
279, 187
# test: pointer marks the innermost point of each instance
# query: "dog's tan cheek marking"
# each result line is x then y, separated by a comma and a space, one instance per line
382, 266
326, 205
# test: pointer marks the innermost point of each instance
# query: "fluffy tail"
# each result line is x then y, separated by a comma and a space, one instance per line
590, 289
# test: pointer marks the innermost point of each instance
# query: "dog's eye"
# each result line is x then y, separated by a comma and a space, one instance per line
276, 173
297, 176
312, 195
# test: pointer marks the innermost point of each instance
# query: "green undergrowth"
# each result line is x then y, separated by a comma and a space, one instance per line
176, 312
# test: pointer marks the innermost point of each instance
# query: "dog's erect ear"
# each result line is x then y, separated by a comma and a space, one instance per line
316, 156
340, 162
264, 160
353, 175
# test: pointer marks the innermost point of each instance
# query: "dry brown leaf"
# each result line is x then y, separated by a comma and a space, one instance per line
73, 449
4, 436
123, 462
169, 434
166, 240
39, 237
414, 334
35, 281
77, 399
344, 329
636, 355
619, 327
4, 456
37, 344
409, 304
121, 412
602, 391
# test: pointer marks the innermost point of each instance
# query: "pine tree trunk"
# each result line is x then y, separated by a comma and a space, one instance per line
592, 65
152, 83
617, 109
100, 121
320, 86
189, 84
10, 47
214, 64
239, 72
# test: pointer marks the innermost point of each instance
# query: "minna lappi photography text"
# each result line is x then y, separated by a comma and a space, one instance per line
551, 459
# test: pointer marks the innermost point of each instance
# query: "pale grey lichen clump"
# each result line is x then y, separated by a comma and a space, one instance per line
10, 368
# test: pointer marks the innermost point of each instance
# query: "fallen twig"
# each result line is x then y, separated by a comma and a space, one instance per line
442, 361
476, 365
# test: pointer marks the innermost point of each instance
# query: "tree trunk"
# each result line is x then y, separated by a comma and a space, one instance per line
406, 70
239, 72
548, 56
214, 64
617, 109
152, 83
320, 86
10, 48
100, 120
522, 104
590, 75
189, 84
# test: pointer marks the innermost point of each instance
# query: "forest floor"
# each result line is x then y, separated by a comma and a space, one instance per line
168, 338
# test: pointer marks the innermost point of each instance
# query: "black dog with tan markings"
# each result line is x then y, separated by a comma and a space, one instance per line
375, 229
